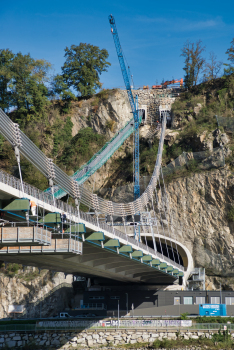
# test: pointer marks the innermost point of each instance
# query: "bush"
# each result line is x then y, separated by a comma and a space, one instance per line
83, 146
110, 124
184, 316
10, 270
230, 215
221, 337
192, 166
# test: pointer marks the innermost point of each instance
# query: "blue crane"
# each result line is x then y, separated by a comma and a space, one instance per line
133, 103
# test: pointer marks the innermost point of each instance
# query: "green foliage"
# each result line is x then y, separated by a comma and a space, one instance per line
192, 165
95, 101
83, 67
29, 276
221, 343
1, 143
230, 215
221, 337
62, 135
60, 88
83, 146
184, 316
213, 319
6, 57
10, 269
22, 85
147, 157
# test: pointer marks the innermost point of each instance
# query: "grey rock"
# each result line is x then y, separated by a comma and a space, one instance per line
11, 343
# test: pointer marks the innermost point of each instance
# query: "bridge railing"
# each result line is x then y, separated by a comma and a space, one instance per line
156, 325
48, 199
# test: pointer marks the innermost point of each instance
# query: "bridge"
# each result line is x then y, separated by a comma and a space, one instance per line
99, 159
84, 245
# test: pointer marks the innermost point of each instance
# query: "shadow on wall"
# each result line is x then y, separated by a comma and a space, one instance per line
55, 301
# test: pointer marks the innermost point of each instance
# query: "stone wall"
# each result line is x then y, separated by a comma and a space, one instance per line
153, 99
92, 338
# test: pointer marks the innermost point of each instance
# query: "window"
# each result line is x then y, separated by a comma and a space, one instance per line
200, 300
176, 300
229, 300
215, 300
114, 297
96, 297
188, 300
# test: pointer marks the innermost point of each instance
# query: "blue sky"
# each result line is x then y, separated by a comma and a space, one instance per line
151, 33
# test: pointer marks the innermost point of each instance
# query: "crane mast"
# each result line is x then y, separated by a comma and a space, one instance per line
133, 104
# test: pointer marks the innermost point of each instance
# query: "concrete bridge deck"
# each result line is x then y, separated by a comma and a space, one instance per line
111, 254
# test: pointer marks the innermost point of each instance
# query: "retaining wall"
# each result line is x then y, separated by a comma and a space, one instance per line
93, 338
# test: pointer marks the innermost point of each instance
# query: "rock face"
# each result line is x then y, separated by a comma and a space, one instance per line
28, 287
199, 206
109, 113
105, 116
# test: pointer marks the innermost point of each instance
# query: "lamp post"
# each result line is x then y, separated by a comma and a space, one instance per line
127, 302
118, 312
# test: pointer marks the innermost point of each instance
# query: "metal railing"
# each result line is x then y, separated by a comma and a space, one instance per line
32, 234
100, 158
69, 210
113, 324
27, 148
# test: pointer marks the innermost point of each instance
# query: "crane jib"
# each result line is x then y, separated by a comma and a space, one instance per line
133, 103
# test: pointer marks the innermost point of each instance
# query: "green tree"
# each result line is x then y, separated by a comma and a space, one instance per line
59, 87
230, 52
194, 62
6, 57
83, 67
29, 93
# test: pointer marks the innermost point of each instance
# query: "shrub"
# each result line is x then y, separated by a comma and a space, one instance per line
184, 316
192, 165
110, 124
83, 146
230, 215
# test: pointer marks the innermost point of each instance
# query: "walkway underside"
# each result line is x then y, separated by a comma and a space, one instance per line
95, 262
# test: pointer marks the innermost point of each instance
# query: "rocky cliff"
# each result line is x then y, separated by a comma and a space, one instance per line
42, 293
200, 205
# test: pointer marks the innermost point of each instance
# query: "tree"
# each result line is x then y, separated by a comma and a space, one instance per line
83, 67
27, 86
230, 53
6, 57
59, 87
194, 62
212, 68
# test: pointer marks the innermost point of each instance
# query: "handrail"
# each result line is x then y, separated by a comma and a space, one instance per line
48, 199
46, 166
98, 159
146, 324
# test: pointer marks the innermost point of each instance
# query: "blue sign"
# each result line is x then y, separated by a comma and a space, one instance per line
212, 310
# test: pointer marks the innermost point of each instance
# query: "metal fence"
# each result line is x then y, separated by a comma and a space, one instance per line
156, 325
